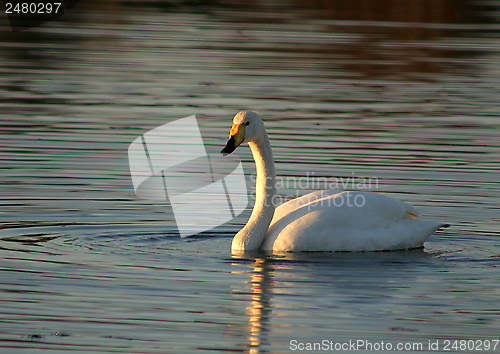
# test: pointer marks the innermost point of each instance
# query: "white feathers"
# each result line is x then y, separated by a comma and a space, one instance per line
346, 221
330, 220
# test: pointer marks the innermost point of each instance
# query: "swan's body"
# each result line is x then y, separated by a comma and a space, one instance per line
329, 220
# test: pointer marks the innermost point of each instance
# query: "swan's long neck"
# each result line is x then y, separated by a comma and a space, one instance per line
250, 238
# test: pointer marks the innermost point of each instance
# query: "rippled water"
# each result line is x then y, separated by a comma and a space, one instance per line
407, 99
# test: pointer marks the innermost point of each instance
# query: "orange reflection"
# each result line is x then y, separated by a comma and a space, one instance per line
260, 308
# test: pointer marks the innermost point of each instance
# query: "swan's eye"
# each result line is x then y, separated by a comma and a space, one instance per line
247, 123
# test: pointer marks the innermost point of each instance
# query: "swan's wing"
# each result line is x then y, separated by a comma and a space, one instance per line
355, 204
339, 220
361, 209
307, 199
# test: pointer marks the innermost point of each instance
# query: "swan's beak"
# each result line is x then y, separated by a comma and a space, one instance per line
236, 137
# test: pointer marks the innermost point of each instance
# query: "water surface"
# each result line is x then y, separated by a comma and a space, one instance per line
407, 99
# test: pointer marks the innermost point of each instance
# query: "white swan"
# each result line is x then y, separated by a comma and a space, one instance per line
322, 220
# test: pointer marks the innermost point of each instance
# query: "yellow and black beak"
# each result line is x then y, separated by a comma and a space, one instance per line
236, 137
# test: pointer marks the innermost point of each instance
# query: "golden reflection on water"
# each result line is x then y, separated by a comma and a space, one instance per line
260, 309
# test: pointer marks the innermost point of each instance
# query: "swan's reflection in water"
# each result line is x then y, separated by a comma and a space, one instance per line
259, 311
330, 293
260, 307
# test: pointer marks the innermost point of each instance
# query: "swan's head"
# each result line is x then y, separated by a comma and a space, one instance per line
247, 126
